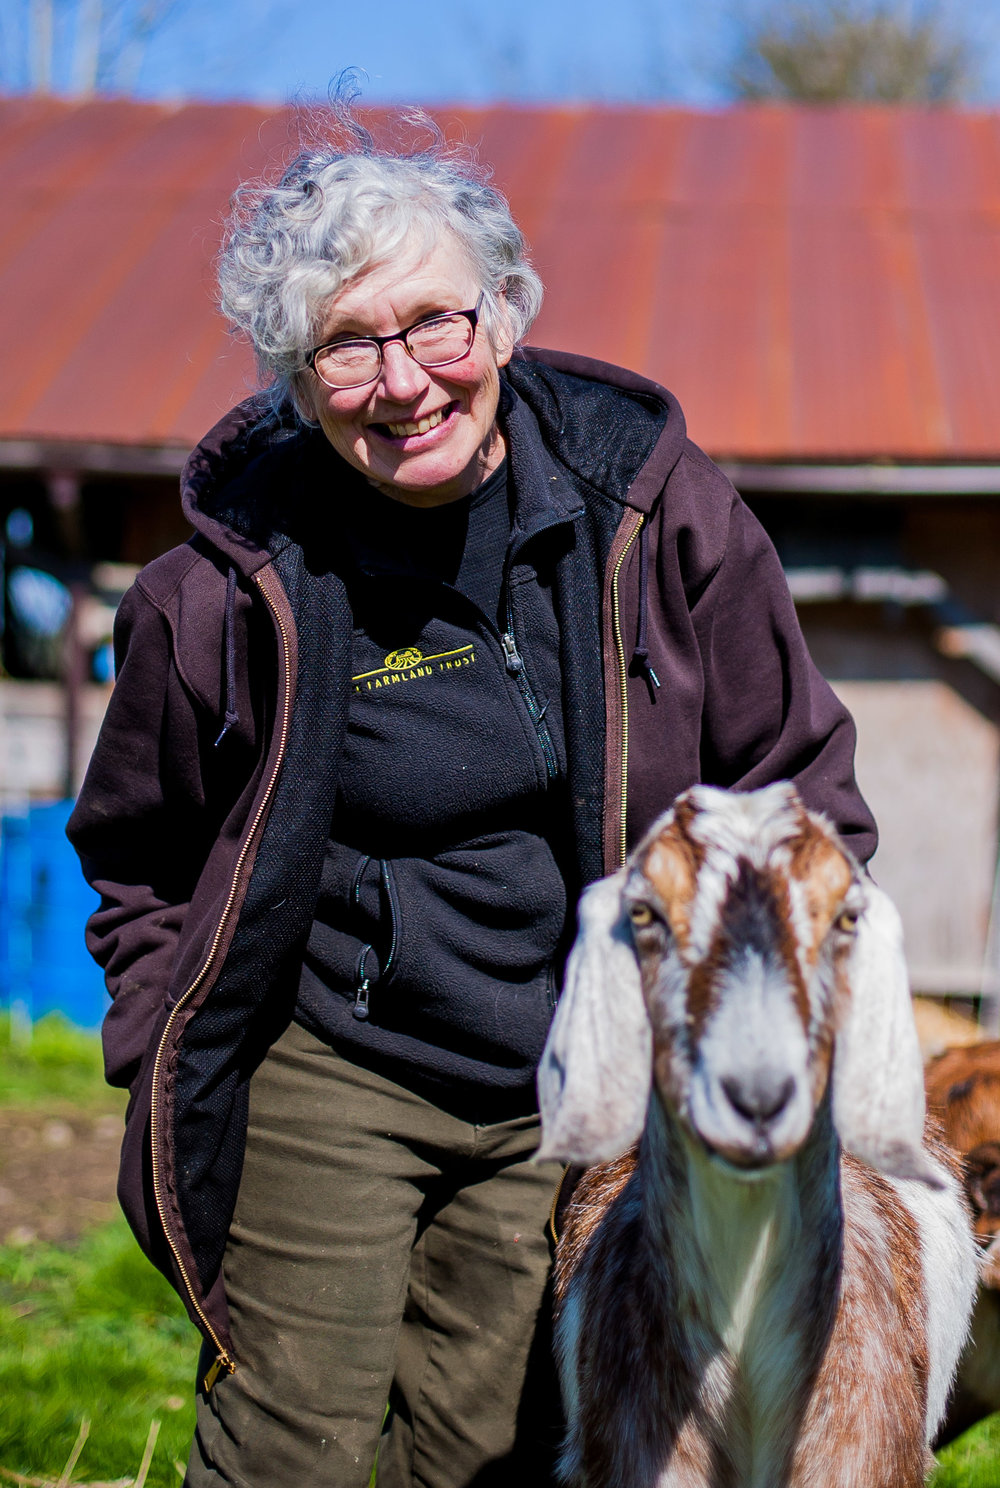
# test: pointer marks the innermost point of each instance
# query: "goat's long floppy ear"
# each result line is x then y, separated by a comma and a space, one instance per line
878, 1074
596, 1070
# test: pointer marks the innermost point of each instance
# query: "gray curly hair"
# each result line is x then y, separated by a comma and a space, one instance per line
290, 247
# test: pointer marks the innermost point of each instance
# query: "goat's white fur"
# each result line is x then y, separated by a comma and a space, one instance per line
595, 1073
749, 1237
878, 1071
949, 1263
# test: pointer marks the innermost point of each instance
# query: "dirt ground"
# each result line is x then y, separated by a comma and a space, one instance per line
57, 1173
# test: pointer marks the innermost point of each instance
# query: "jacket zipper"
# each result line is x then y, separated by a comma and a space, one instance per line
360, 1008
623, 686
515, 666
224, 1359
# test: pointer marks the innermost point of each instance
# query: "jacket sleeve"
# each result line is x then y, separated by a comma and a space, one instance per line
768, 714
140, 828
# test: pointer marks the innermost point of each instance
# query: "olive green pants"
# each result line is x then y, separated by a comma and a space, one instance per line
382, 1251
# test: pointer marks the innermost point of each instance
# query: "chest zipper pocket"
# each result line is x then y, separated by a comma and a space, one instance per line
514, 662
360, 1008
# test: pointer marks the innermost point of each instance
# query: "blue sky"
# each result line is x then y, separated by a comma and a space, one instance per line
479, 50
460, 51
464, 50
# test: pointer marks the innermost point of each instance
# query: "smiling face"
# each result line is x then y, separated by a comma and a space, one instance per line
425, 436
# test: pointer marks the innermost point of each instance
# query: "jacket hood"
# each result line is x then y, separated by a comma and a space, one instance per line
227, 492
610, 428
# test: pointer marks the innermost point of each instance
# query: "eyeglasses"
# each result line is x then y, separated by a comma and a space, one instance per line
433, 342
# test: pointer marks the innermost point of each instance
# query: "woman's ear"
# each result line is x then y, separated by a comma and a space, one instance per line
878, 1073
300, 389
596, 1070
502, 329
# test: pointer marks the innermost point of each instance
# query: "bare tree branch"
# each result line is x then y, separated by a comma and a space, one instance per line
87, 46
40, 63
138, 21
76, 46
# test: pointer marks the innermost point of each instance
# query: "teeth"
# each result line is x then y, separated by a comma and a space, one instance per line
405, 431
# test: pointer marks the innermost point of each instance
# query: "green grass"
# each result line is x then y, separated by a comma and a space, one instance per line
92, 1332
973, 1461
89, 1331
53, 1065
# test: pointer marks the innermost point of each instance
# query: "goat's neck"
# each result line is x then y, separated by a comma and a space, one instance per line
748, 1252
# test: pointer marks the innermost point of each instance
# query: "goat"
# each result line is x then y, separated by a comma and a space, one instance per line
963, 1092
772, 1288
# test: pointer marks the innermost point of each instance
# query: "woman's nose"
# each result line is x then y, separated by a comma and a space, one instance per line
401, 378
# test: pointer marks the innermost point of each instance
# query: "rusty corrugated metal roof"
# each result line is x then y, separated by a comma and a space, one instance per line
813, 284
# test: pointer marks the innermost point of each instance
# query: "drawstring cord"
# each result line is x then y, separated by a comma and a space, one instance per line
640, 656
232, 715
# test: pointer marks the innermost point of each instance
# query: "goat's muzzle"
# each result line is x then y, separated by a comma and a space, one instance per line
758, 1103
749, 1118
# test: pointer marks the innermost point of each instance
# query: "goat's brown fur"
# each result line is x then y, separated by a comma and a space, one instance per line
671, 868
870, 1394
862, 1394
963, 1094
825, 875
963, 1090
661, 1396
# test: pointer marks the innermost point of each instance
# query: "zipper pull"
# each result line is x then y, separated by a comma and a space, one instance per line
514, 662
360, 1008
223, 1362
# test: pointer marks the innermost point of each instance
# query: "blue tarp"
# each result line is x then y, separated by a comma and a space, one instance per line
44, 902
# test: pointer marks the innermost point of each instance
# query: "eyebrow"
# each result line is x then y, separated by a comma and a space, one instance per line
432, 308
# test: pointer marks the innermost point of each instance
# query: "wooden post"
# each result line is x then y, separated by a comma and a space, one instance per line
74, 677
64, 496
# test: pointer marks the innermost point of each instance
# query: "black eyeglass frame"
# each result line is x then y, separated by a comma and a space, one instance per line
379, 342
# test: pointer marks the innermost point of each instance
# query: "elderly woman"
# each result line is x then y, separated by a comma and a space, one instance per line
458, 620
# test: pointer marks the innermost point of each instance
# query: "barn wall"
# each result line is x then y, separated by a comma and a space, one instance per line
928, 765
928, 726
33, 738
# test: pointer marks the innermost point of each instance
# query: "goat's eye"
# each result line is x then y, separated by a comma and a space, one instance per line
847, 920
640, 915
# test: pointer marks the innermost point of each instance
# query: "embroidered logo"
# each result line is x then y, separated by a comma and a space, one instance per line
398, 661
408, 664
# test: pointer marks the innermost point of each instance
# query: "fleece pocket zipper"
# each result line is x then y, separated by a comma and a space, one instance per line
514, 662
360, 1008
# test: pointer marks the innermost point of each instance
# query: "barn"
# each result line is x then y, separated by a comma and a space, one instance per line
820, 288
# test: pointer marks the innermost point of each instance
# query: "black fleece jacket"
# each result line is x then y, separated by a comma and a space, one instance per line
442, 907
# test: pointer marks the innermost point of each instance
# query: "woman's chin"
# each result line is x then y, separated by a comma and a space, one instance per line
427, 477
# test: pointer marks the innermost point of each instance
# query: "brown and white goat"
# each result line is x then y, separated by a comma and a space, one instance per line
963, 1092
771, 1290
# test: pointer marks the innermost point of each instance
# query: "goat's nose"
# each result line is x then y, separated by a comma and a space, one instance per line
759, 1100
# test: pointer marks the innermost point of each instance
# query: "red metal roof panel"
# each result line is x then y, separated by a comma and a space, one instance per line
812, 283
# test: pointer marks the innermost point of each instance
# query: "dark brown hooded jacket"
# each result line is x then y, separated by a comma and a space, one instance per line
207, 851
